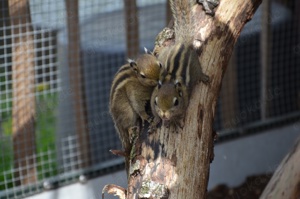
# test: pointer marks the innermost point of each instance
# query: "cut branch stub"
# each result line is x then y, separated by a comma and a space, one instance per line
116, 190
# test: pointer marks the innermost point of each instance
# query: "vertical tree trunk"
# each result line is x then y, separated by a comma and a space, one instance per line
23, 109
174, 163
77, 82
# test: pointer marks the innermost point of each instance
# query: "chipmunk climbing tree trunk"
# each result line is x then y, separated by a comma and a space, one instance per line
174, 163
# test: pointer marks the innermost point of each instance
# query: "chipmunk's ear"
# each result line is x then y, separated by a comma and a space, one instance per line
147, 51
133, 64
178, 83
160, 64
159, 84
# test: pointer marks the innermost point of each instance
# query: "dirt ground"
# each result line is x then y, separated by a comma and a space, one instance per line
252, 188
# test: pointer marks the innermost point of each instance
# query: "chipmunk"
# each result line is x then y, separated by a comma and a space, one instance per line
131, 90
168, 103
182, 65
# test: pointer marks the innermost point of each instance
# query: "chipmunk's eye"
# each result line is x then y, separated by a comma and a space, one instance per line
142, 75
175, 101
155, 101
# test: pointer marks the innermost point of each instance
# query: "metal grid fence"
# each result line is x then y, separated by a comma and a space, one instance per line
57, 60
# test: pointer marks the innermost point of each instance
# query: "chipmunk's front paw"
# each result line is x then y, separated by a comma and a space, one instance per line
153, 125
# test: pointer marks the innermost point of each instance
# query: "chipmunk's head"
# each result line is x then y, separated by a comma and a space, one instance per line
147, 68
169, 102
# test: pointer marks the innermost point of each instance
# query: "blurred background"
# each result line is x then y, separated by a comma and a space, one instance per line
57, 61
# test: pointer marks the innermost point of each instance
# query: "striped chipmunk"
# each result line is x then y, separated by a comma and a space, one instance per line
170, 98
130, 93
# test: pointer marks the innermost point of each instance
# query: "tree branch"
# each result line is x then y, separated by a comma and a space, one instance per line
285, 182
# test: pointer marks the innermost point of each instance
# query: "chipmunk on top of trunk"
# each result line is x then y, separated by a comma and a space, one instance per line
182, 66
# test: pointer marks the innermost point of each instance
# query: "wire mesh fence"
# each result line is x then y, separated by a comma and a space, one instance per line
57, 61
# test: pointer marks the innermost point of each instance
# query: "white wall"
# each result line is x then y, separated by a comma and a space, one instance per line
258, 154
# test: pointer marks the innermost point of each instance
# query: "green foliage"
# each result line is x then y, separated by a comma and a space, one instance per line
7, 126
5, 104
6, 153
6, 162
45, 135
45, 139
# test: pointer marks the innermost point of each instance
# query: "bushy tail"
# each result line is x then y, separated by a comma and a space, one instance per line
183, 20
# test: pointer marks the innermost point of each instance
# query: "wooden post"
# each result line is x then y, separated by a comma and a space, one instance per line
23, 109
76, 73
265, 46
132, 28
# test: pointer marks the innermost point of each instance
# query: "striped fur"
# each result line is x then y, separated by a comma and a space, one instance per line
130, 96
123, 75
183, 69
182, 64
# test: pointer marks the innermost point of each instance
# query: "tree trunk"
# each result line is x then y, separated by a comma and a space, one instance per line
23, 109
285, 182
174, 163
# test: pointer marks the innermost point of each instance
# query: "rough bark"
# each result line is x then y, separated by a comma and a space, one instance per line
174, 163
285, 182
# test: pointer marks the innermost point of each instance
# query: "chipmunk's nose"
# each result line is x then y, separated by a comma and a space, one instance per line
165, 115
